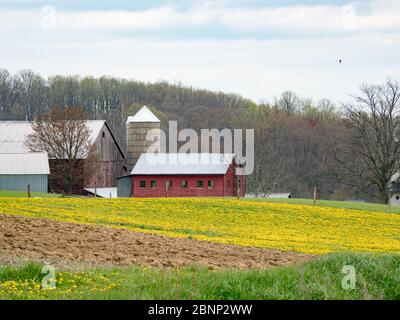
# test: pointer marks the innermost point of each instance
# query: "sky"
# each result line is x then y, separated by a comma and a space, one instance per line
254, 48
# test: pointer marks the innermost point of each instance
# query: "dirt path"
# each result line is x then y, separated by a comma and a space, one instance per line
60, 243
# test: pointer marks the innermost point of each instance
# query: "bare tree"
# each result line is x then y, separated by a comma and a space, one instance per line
32, 94
8, 96
288, 102
270, 167
370, 150
64, 135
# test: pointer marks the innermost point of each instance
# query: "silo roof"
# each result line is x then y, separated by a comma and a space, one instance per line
143, 115
24, 163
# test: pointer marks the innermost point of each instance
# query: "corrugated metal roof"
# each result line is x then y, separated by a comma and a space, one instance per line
278, 195
143, 115
182, 163
103, 192
13, 133
24, 163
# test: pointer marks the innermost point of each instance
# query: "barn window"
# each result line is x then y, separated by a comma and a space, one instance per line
169, 184
104, 134
210, 184
397, 197
200, 184
184, 184
142, 184
228, 184
152, 184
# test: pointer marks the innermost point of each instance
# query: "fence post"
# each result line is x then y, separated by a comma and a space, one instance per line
238, 188
315, 196
29, 190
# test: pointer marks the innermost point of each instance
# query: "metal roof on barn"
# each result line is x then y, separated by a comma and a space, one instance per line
278, 195
183, 163
103, 192
143, 115
395, 187
13, 134
24, 163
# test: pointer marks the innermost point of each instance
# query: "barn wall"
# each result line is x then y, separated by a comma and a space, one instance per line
224, 185
124, 187
38, 182
219, 189
59, 184
230, 178
109, 162
395, 199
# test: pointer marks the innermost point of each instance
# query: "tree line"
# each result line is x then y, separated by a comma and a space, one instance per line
348, 152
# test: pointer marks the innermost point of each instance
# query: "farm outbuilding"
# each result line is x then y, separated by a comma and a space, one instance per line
124, 186
186, 175
395, 192
106, 152
18, 170
279, 196
101, 192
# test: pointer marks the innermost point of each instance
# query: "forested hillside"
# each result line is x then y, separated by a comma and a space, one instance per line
293, 136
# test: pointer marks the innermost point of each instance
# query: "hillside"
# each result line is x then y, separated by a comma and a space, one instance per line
296, 130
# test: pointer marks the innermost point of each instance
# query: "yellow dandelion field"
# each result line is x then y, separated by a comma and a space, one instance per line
288, 227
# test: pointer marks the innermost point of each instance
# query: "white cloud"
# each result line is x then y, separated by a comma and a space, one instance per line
254, 68
319, 18
380, 15
158, 18
119, 20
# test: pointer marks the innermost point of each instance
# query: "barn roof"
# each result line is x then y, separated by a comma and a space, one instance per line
143, 115
183, 163
24, 163
103, 192
395, 187
279, 195
13, 133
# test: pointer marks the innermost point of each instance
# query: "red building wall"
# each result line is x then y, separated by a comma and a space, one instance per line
223, 185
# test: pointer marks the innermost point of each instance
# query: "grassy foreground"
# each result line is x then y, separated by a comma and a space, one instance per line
23, 194
288, 227
377, 277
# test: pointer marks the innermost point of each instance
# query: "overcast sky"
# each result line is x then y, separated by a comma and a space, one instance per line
251, 47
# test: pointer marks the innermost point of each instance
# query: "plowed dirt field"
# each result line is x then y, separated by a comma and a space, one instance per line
61, 242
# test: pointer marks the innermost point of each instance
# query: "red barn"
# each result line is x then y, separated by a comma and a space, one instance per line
187, 175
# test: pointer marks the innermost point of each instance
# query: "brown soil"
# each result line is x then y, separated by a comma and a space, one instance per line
64, 243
